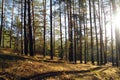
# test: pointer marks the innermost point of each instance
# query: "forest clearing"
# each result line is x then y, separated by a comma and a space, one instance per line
59, 40
14, 67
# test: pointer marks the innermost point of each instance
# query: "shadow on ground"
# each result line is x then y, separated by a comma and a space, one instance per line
11, 57
43, 76
58, 73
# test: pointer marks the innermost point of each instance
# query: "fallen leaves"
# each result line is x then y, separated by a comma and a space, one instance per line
32, 66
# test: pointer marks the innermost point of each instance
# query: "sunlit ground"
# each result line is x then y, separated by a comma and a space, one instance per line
35, 68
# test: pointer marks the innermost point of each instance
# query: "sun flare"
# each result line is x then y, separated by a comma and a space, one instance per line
117, 19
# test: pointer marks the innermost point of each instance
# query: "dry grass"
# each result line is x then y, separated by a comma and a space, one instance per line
15, 67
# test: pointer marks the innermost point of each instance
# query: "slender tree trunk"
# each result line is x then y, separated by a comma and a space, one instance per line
85, 54
80, 31
54, 33
66, 42
74, 25
17, 40
112, 52
70, 33
21, 26
2, 16
105, 50
117, 46
84, 24
44, 46
91, 26
102, 25
3, 38
77, 38
33, 23
69, 57
3, 32
30, 30
96, 32
87, 49
51, 34
99, 20
61, 46
25, 31
18, 30
11, 23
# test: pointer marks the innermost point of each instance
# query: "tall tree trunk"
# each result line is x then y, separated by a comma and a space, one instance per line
69, 57
80, 31
44, 46
99, 20
61, 46
25, 30
30, 30
66, 42
70, 32
11, 23
102, 44
91, 26
54, 50
105, 50
96, 31
21, 26
77, 38
3, 32
18, 29
2, 16
33, 25
51, 34
112, 52
74, 25
85, 42
87, 47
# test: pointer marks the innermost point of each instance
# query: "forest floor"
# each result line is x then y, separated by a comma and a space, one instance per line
16, 67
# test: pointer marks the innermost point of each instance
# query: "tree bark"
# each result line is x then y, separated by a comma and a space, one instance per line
30, 30
25, 31
51, 34
2, 16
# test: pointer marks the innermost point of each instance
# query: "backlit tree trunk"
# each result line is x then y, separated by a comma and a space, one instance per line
51, 34
2, 16
30, 30
44, 46
91, 26
61, 46
25, 30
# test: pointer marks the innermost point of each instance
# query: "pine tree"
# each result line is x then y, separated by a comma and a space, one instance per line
30, 30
